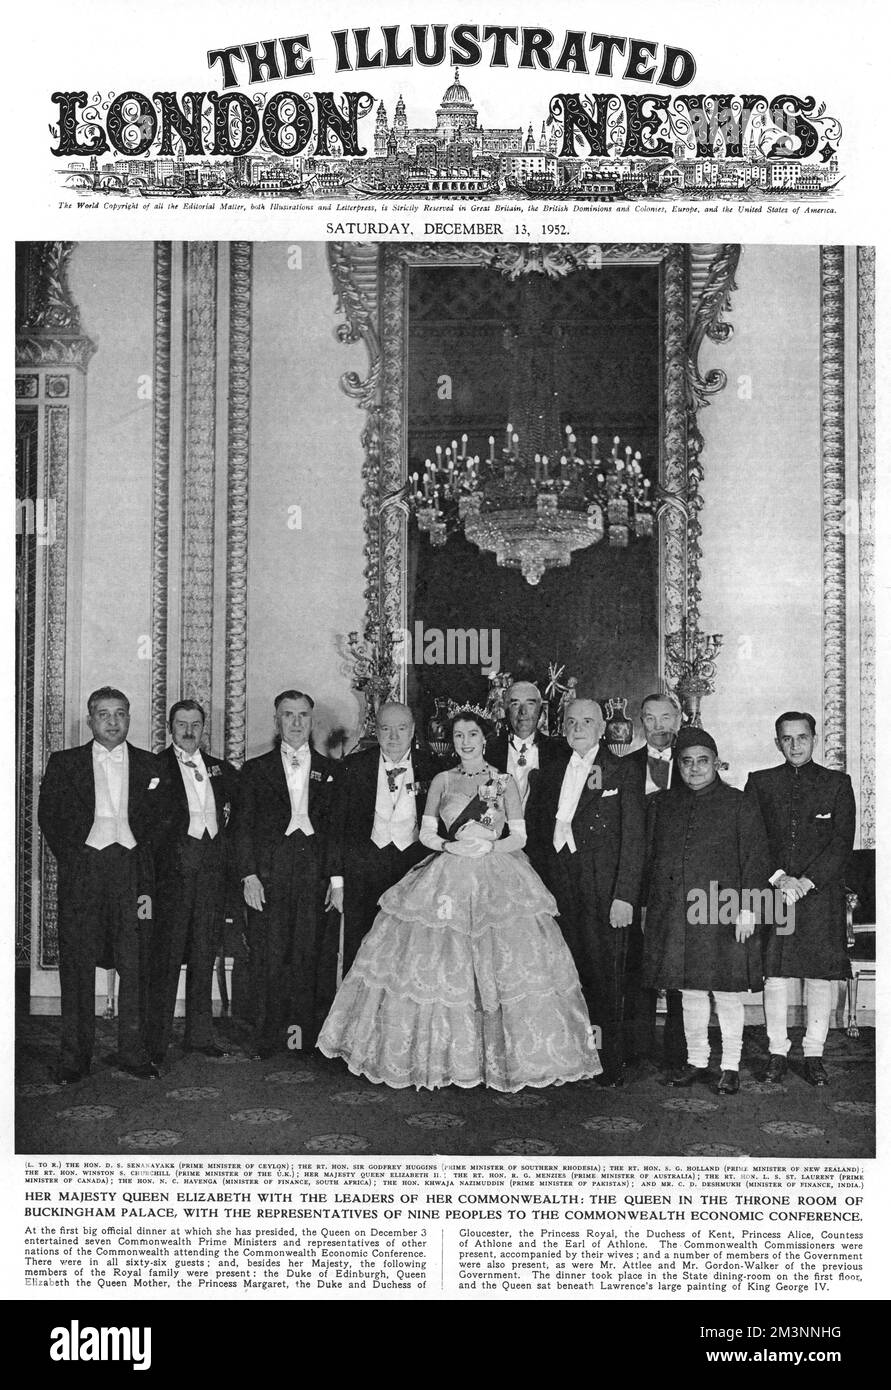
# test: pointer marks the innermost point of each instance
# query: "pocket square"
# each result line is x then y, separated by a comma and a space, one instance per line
611, 791
823, 815
153, 783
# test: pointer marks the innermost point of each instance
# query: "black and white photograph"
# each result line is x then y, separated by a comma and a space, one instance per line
446, 699
447, 633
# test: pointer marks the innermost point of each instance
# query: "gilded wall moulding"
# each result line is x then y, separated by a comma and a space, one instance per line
199, 476
832, 433
866, 436
238, 471
163, 270
52, 733
49, 332
371, 286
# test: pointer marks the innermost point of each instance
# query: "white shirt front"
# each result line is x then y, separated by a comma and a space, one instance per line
296, 763
202, 803
111, 784
395, 813
664, 755
520, 774
578, 770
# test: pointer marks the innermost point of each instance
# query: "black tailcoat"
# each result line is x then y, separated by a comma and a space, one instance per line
191, 901
368, 871
107, 901
608, 830
293, 941
552, 753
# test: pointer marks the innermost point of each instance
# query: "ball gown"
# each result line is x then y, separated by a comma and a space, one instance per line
464, 980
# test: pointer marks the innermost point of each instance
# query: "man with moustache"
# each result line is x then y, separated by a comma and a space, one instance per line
524, 752
103, 811
590, 813
285, 804
810, 816
706, 838
660, 716
376, 820
192, 883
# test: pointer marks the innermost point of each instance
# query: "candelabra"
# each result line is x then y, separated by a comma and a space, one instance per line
370, 663
692, 654
532, 513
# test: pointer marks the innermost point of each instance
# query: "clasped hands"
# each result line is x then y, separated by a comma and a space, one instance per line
472, 841
793, 889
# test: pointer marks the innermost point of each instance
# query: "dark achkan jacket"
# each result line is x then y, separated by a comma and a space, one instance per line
810, 818
700, 844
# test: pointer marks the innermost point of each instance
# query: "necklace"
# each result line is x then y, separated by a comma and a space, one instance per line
476, 773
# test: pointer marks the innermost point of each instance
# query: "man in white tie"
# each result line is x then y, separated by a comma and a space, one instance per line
661, 718
593, 811
374, 833
523, 751
192, 882
285, 801
103, 811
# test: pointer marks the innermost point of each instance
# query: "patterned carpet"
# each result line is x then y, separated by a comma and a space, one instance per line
309, 1105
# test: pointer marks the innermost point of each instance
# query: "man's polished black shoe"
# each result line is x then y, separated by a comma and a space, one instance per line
263, 1054
776, 1069
211, 1051
143, 1071
729, 1083
611, 1080
815, 1072
688, 1075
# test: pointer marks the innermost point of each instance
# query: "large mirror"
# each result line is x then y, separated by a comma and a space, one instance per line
461, 338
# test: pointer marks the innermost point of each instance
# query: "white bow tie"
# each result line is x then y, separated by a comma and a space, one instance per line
298, 756
662, 755
578, 760
110, 755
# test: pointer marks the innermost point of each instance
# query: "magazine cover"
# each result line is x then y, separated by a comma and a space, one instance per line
442, 826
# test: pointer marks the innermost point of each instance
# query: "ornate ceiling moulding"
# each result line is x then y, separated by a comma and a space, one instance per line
49, 334
371, 287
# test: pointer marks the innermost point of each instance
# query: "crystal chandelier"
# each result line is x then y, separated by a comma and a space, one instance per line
533, 512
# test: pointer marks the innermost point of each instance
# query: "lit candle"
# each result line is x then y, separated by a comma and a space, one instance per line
491, 448
464, 446
538, 468
507, 440
515, 439
544, 466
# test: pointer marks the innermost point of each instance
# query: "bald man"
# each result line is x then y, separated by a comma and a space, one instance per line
590, 812
524, 752
377, 818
